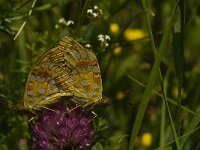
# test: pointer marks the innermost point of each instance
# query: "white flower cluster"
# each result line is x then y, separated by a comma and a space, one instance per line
62, 21
87, 46
104, 39
94, 12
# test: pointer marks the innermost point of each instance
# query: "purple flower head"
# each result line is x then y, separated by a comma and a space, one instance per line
65, 128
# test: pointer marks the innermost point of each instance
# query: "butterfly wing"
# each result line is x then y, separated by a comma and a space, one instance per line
42, 87
66, 70
84, 79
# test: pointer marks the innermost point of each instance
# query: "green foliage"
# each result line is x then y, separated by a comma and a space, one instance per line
150, 67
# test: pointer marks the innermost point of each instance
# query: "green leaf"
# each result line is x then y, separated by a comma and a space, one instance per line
97, 146
129, 62
114, 143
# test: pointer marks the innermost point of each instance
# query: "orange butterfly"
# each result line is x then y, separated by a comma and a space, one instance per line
65, 70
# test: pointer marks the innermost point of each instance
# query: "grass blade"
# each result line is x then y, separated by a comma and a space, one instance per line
151, 81
191, 126
178, 35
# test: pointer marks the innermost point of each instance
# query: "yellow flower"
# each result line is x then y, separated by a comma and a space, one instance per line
133, 34
146, 139
117, 50
120, 95
114, 28
175, 93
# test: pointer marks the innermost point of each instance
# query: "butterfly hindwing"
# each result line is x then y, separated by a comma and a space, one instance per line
85, 75
66, 70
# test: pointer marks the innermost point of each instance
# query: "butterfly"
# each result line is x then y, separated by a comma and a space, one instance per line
67, 70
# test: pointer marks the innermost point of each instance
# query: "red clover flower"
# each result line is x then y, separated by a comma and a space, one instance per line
65, 128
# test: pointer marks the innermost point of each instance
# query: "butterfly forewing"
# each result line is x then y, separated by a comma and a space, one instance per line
66, 70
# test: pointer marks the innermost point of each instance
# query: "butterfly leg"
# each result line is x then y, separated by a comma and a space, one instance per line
77, 106
31, 121
47, 108
95, 115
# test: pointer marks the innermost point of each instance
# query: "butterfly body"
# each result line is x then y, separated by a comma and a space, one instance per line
65, 70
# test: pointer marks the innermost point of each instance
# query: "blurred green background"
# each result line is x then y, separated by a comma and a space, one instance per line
124, 60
